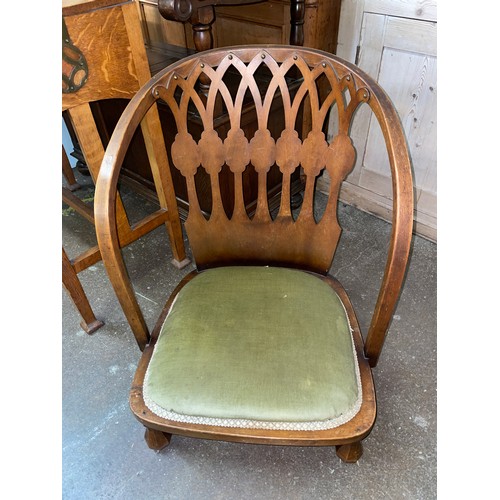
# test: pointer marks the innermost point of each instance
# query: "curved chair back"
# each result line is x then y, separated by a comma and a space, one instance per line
324, 84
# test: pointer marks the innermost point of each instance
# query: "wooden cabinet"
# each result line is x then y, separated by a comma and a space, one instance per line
267, 22
159, 33
394, 41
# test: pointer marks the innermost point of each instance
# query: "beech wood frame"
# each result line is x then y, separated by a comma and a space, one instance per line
346, 437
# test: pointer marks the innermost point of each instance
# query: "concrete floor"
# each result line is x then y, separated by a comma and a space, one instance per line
104, 453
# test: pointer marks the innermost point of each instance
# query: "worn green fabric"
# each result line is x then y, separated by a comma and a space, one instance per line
257, 343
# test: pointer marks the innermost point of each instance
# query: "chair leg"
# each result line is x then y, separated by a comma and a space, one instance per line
156, 440
72, 284
350, 453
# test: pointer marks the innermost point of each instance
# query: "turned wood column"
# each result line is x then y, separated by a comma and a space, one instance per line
297, 14
201, 15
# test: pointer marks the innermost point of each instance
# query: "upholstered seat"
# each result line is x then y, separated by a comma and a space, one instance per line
255, 347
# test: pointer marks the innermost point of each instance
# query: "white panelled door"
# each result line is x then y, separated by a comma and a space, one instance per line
395, 43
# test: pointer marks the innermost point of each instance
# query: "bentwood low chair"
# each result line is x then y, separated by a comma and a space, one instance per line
260, 344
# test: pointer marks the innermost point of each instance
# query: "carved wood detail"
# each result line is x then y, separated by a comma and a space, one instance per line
260, 153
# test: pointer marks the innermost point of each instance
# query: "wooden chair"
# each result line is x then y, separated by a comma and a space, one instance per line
103, 58
260, 344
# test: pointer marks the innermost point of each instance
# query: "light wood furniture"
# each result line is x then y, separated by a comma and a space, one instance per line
281, 240
395, 42
104, 37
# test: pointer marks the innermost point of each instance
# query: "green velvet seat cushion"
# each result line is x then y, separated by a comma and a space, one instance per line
255, 347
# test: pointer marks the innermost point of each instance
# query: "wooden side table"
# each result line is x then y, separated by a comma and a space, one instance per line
103, 57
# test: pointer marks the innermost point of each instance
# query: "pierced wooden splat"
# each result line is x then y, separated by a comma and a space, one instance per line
304, 241
288, 148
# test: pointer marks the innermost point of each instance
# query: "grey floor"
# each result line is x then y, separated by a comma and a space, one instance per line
104, 455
